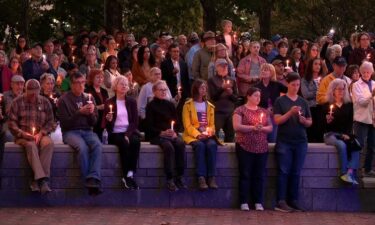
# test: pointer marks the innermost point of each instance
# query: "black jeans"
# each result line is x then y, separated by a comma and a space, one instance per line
174, 150
129, 152
224, 121
252, 167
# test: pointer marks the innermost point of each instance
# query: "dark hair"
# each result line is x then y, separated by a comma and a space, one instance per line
18, 48
174, 45
350, 70
252, 90
309, 69
67, 34
265, 43
108, 38
108, 62
282, 44
292, 76
141, 51
75, 76
195, 88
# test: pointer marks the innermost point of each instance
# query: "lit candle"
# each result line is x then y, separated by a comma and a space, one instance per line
134, 84
101, 66
227, 82
261, 118
73, 58
332, 31
110, 109
368, 57
287, 63
51, 96
330, 110
179, 89
89, 101
172, 124
33, 130
44, 57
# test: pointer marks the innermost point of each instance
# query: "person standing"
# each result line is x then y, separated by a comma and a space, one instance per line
292, 115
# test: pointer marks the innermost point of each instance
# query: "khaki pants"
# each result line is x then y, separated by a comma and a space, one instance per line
39, 157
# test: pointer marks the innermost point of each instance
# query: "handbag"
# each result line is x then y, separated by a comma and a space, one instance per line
352, 144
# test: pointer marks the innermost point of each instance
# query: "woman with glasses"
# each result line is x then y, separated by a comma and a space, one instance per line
363, 51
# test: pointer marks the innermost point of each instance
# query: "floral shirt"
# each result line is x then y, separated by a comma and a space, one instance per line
254, 141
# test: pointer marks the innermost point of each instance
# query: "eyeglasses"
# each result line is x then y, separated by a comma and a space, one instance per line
162, 90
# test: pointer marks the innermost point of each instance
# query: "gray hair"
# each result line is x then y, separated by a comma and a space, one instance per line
157, 84
5, 57
331, 89
366, 65
117, 80
46, 76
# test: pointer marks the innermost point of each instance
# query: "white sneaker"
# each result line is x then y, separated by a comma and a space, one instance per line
259, 207
346, 178
245, 207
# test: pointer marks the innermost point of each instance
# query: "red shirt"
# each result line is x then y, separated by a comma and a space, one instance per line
254, 141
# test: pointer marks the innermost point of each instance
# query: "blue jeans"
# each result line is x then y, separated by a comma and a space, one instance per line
252, 169
353, 163
365, 134
205, 157
290, 157
89, 148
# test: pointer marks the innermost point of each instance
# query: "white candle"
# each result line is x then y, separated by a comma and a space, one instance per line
287, 63
179, 89
44, 56
368, 57
110, 109
228, 82
330, 110
33, 130
89, 101
172, 124
73, 58
261, 118
134, 84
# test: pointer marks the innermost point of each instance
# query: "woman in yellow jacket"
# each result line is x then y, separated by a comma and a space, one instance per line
199, 126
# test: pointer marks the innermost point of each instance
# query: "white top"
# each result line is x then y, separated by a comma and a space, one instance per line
122, 121
176, 65
200, 106
145, 96
228, 43
363, 102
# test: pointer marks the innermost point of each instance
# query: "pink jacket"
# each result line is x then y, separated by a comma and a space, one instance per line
243, 67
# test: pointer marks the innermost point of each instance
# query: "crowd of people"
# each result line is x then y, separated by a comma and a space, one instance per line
199, 90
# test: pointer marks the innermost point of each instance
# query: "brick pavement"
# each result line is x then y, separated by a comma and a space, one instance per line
157, 216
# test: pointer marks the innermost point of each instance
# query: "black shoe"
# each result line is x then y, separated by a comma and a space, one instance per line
95, 191
180, 183
131, 183
171, 185
296, 206
92, 183
281, 206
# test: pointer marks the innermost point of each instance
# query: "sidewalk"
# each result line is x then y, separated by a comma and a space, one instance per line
157, 216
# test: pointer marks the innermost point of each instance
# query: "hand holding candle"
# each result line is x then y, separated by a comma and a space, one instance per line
33, 131
172, 124
89, 101
110, 108
330, 110
261, 118
368, 57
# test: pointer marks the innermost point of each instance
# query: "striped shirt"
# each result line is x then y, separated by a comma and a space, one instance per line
24, 115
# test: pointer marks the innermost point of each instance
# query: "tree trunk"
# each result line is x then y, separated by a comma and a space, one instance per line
24, 28
264, 13
209, 15
113, 15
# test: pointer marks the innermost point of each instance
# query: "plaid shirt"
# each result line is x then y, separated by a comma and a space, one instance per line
24, 115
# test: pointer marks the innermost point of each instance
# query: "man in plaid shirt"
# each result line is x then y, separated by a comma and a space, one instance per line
30, 122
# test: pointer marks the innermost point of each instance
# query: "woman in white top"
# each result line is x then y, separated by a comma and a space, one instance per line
121, 122
110, 73
363, 92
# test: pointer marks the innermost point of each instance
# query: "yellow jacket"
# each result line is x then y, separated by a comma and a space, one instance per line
191, 123
323, 87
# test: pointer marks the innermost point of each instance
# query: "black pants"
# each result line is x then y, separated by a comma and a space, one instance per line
224, 121
316, 130
129, 152
174, 150
252, 167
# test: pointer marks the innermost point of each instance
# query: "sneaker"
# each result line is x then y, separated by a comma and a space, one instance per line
92, 183
281, 206
171, 185
354, 181
259, 207
346, 178
132, 183
245, 207
180, 183
212, 183
44, 187
370, 173
297, 207
202, 183
95, 191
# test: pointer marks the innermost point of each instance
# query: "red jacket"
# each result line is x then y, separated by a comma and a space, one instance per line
6, 77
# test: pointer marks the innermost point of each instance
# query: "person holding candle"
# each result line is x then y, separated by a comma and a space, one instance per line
223, 94
47, 82
134, 87
338, 128
283, 46
110, 73
78, 115
221, 52
199, 125
30, 120
161, 115
363, 92
99, 94
111, 48
292, 115
363, 52
121, 122
252, 124
228, 37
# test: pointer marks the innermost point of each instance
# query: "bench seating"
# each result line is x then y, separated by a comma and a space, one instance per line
320, 187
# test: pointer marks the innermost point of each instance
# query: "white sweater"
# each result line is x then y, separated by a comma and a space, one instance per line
363, 101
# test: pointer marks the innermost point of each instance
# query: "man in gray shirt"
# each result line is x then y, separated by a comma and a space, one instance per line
77, 113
